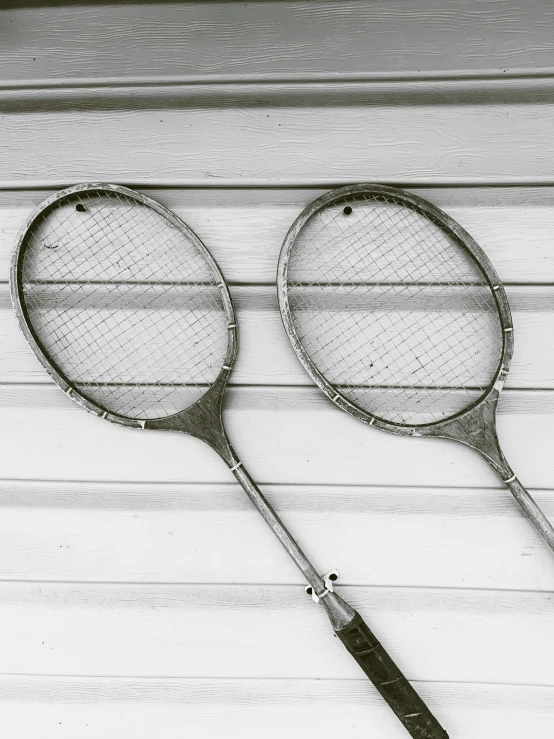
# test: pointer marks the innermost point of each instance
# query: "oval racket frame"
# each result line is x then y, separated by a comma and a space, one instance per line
442, 427
213, 394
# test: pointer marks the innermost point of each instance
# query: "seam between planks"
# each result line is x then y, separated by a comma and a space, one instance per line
59, 95
180, 585
271, 78
245, 183
238, 679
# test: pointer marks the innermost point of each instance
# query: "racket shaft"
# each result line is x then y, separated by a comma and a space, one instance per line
352, 630
532, 511
278, 528
389, 681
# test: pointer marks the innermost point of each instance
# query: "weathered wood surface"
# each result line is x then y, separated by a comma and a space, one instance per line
196, 631
300, 145
288, 435
261, 40
47, 706
244, 228
171, 532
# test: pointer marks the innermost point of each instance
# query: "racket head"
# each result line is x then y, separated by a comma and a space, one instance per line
107, 257
296, 269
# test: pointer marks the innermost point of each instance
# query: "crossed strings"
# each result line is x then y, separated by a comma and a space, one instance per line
124, 304
392, 310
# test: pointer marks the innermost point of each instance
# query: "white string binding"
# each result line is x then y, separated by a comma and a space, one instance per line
238, 464
511, 479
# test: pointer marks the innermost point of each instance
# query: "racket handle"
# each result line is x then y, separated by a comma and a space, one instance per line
389, 681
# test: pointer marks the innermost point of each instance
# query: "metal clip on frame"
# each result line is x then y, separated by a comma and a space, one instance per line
331, 577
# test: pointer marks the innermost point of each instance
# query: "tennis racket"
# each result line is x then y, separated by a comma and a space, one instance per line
130, 315
400, 318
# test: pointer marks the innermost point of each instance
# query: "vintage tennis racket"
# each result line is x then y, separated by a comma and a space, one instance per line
400, 318
129, 313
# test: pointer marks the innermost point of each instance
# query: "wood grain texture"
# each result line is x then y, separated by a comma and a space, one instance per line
275, 40
409, 144
140, 532
192, 631
42, 707
292, 435
244, 228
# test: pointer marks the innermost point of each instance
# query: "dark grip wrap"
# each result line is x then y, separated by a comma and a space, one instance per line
389, 681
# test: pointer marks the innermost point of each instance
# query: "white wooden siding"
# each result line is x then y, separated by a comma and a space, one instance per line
274, 40
298, 145
139, 593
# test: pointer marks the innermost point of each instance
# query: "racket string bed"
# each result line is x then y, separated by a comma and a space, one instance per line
118, 301
376, 256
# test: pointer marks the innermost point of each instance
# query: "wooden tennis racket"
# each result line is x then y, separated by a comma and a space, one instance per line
130, 315
400, 318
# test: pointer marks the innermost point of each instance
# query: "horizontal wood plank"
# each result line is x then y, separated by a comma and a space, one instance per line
38, 708
191, 631
244, 228
290, 435
273, 40
508, 143
265, 355
141, 532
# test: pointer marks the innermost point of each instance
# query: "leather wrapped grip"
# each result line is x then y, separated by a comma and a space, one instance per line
389, 681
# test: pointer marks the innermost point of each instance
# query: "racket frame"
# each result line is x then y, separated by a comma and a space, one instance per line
194, 415
474, 425
202, 419
443, 427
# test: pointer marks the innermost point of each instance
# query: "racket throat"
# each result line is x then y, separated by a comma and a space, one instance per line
203, 419
476, 428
